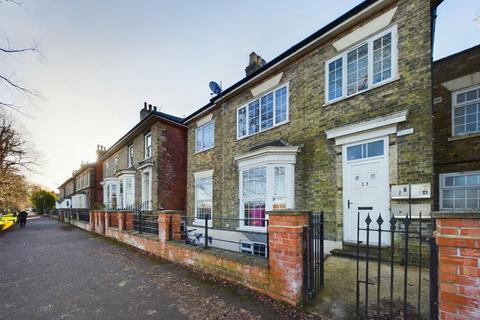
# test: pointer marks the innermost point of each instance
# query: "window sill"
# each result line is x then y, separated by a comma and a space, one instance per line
200, 151
361, 92
464, 137
254, 134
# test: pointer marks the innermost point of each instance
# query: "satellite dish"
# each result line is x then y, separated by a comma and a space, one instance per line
215, 87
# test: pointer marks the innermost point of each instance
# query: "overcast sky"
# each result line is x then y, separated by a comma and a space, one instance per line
102, 59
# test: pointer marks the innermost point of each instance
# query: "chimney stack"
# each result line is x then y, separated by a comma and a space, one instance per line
255, 63
143, 111
100, 151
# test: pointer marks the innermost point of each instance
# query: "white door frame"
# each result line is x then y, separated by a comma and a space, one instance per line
347, 214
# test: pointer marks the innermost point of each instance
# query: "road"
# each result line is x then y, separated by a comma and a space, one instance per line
51, 270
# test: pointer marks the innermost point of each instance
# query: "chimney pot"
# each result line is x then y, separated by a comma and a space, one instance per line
155, 109
255, 63
145, 105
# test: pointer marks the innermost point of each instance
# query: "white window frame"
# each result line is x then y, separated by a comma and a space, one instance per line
130, 156
343, 55
270, 161
456, 105
201, 128
199, 176
115, 164
441, 187
148, 148
275, 124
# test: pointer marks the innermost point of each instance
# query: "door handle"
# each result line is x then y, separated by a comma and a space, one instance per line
349, 203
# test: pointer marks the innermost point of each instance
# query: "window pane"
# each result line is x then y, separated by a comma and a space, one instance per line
203, 189
335, 79
473, 180
447, 204
199, 139
281, 105
354, 152
242, 122
279, 181
357, 68
375, 148
254, 117
267, 111
254, 213
254, 183
459, 181
208, 135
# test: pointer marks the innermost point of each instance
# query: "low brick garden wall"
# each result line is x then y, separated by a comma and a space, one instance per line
280, 276
458, 239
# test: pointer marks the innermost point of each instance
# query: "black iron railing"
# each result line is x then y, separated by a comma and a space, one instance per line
397, 227
314, 256
84, 215
248, 236
144, 219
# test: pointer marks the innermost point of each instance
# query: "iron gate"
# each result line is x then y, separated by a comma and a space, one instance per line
313, 275
407, 304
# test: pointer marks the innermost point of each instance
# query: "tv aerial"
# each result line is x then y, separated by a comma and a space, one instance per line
215, 87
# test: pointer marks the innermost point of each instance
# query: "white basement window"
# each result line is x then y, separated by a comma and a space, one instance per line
466, 111
266, 112
370, 64
205, 137
460, 191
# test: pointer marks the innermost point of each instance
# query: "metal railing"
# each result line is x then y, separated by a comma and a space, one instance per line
374, 229
248, 236
84, 215
144, 219
314, 257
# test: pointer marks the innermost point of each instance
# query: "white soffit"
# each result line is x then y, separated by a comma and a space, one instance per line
368, 129
267, 85
371, 27
204, 120
463, 82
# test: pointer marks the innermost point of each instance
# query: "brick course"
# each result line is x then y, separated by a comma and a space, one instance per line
458, 239
280, 277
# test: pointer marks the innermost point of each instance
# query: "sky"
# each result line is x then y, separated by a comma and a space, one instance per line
100, 60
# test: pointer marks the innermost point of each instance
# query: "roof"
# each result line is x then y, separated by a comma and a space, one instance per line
152, 114
297, 47
466, 51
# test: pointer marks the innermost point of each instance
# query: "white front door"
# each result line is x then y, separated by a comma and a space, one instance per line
365, 189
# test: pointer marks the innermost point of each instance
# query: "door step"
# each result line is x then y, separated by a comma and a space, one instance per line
350, 251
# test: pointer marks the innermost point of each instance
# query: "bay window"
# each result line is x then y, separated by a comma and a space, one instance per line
369, 64
267, 111
460, 191
466, 111
266, 182
203, 196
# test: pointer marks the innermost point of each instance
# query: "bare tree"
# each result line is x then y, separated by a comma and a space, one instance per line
11, 86
16, 158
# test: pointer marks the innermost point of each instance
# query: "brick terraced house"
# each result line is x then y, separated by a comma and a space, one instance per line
83, 189
333, 123
456, 122
147, 165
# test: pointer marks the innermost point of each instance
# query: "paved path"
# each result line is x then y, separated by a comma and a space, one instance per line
52, 271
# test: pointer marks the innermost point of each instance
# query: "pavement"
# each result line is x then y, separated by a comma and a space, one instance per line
51, 270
